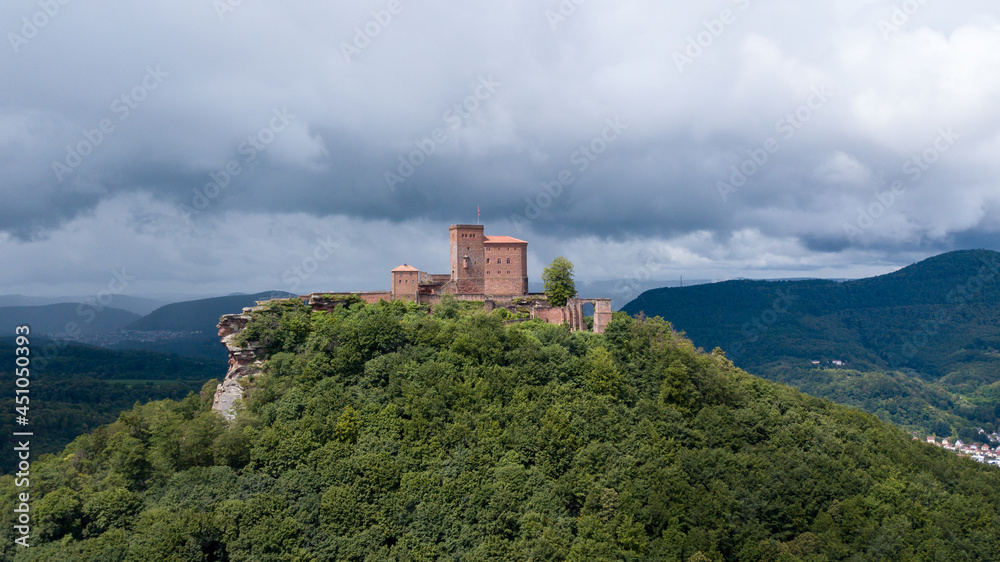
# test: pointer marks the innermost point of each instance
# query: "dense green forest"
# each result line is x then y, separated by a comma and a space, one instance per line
80, 388
919, 346
380, 432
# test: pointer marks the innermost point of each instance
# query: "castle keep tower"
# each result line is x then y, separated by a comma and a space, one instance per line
467, 258
506, 266
481, 267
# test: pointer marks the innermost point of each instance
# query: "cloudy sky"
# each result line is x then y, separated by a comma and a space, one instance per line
214, 146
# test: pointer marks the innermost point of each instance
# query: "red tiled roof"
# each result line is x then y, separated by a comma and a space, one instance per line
404, 267
502, 240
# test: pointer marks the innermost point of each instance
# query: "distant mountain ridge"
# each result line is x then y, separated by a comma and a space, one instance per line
185, 328
199, 318
65, 319
137, 305
880, 321
199, 314
621, 291
936, 321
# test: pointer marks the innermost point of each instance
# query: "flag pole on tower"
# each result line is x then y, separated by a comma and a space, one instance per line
477, 215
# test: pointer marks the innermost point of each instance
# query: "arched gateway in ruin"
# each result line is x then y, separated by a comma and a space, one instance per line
602, 313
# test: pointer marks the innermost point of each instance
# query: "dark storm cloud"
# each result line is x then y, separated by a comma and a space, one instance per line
723, 131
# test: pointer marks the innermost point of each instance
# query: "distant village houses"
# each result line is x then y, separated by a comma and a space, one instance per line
834, 362
979, 453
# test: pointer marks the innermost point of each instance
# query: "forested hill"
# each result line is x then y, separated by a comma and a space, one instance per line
201, 314
915, 317
197, 320
76, 388
380, 432
936, 321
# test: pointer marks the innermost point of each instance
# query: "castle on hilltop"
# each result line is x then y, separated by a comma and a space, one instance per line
488, 269
494, 266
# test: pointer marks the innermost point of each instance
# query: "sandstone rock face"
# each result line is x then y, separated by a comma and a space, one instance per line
243, 361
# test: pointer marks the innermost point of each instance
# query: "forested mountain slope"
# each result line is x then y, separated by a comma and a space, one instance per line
379, 432
77, 388
920, 344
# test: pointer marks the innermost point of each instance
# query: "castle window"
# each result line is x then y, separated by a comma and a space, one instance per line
508, 260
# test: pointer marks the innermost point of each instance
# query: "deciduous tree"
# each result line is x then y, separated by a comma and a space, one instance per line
558, 278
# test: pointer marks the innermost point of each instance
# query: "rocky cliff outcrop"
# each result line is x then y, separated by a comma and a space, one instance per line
243, 362
248, 360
